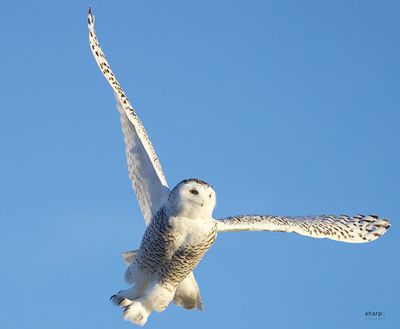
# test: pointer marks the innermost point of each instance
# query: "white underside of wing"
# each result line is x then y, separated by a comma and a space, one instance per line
150, 191
356, 229
144, 168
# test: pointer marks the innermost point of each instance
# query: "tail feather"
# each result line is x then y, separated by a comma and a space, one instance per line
187, 294
129, 256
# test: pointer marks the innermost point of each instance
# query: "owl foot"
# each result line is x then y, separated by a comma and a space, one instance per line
136, 313
120, 301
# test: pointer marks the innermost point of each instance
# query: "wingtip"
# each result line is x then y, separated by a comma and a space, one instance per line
379, 221
377, 228
90, 17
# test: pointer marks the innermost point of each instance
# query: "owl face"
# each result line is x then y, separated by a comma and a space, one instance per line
193, 198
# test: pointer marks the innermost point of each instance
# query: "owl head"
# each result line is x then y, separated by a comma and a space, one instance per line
192, 198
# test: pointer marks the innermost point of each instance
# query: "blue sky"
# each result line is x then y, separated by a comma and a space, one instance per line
285, 107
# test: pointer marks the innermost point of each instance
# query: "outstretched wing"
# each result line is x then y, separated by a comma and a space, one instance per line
356, 229
144, 168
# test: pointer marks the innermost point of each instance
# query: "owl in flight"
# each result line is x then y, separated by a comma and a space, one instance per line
180, 226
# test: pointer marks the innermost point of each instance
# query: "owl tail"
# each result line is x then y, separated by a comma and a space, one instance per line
129, 256
187, 294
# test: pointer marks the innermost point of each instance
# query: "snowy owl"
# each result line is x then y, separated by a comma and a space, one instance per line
180, 226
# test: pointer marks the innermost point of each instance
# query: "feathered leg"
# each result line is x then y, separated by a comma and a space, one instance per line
155, 298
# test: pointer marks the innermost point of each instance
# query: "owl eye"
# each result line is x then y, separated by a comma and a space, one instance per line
194, 192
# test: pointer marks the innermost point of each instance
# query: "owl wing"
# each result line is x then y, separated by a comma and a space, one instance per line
353, 229
148, 180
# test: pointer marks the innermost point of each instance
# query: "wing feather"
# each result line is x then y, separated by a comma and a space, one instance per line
353, 229
145, 171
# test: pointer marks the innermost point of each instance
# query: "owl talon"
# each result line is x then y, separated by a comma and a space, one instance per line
120, 301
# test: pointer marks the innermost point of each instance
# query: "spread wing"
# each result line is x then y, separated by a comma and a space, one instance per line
355, 229
144, 168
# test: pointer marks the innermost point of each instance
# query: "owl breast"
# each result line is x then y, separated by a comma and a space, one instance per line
172, 247
193, 238
189, 231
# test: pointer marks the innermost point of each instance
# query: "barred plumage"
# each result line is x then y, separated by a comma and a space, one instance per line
185, 259
356, 229
160, 254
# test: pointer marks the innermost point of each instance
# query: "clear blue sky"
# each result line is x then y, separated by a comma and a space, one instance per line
285, 107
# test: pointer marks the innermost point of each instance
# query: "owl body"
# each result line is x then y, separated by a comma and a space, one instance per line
175, 241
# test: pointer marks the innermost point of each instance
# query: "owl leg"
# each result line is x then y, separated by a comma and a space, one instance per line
155, 298
130, 300
139, 302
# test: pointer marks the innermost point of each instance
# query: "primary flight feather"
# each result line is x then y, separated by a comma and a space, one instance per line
181, 228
